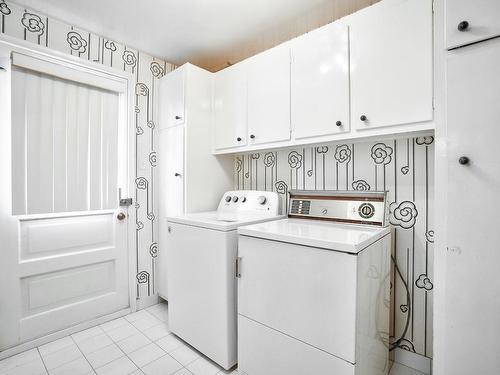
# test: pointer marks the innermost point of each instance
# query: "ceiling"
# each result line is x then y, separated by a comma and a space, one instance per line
177, 30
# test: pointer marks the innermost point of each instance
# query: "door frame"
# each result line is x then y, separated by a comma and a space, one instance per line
11, 44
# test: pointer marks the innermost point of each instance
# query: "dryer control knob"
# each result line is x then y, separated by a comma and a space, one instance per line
228, 199
235, 199
261, 200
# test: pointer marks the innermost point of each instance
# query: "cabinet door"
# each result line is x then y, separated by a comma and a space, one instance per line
320, 82
172, 171
472, 282
269, 96
230, 107
391, 64
171, 103
471, 21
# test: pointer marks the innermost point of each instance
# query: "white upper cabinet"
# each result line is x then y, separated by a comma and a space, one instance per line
469, 21
269, 96
172, 110
230, 107
391, 64
320, 82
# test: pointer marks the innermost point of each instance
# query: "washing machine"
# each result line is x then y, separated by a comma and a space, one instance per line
201, 261
313, 288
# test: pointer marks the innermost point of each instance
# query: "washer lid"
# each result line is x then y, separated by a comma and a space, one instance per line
222, 222
327, 235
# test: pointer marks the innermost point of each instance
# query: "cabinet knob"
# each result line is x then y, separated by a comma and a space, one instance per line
463, 26
363, 118
238, 139
463, 160
178, 117
177, 174
121, 216
338, 123
252, 136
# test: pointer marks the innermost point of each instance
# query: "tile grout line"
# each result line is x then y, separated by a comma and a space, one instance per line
43, 362
83, 354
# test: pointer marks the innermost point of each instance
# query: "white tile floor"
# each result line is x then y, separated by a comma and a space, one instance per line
139, 343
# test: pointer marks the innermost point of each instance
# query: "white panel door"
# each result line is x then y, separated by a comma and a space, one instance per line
276, 289
391, 64
472, 282
269, 96
320, 82
64, 252
172, 111
171, 174
230, 107
471, 21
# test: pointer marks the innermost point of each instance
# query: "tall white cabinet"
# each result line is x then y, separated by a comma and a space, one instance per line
471, 21
472, 282
191, 179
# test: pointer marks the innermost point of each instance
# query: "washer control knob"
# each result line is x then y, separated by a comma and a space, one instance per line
243, 199
228, 199
235, 199
261, 200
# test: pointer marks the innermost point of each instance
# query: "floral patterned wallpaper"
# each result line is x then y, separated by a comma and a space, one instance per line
403, 167
34, 27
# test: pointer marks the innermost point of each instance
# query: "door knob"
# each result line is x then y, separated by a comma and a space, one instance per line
252, 136
338, 123
121, 216
463, 26
363, 118
463, 160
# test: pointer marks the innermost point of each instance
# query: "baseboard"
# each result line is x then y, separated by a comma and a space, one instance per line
60, 334
145, 302
413, 360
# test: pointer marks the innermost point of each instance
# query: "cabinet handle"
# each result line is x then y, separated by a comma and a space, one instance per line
463, 160
363, 118
177, 174
178, 117
463, 26
252, 136
338, 123
238, 139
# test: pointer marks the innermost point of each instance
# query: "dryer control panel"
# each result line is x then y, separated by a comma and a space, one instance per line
341, 206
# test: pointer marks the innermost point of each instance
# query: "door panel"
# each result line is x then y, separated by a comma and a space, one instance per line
320, 82
64, 251
473, 89
275, 289
391, 64
230, 107
269, 96
482, 17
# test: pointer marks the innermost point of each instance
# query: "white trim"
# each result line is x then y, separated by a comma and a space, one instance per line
147, 301
53, 67
22, 46
413, 360
60, 334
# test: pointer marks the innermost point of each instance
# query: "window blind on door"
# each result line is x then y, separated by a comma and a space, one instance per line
64, 149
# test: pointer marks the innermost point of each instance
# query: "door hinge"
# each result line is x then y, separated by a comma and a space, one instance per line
238, 267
